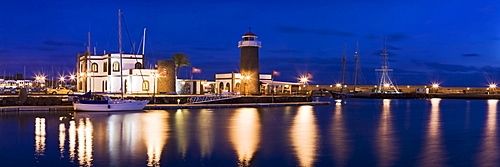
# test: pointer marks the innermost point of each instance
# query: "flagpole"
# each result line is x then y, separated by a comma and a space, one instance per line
272, 91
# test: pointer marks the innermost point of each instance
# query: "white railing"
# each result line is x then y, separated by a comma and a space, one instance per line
214, 97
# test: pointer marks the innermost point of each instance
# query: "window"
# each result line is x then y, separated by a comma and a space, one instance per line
105, 67
116, 67
145, 86
138, 65
93, 67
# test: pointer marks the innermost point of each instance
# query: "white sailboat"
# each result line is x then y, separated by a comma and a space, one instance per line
98, 102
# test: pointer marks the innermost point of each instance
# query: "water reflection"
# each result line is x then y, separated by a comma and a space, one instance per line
62, 139
205, 132
433, 151
489, 151
182, 129
154, 132
72, 140
387, 150
85, 130
245, 133
341, 144
40, 133
304, 136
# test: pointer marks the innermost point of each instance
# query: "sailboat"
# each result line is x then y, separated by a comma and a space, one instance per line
99, 102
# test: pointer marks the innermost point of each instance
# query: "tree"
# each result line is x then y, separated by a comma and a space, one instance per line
180, 60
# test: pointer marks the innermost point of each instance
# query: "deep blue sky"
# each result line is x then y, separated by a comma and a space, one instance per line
456, 43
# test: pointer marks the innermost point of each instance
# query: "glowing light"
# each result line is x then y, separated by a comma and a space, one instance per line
338, 85
493, 85
435, 85
386, 85
244, 134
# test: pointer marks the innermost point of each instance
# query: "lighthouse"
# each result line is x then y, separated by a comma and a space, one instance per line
249, 63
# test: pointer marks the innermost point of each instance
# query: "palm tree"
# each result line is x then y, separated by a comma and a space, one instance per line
180, 60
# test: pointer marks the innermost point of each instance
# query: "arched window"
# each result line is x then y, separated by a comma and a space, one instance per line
105, 67
116, 67
138, 65
145, 86
94, 67
228, 86
237, 87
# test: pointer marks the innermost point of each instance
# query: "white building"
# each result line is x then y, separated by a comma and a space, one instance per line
234, 82
101, 73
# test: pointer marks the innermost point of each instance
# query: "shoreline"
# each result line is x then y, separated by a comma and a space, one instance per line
167, 106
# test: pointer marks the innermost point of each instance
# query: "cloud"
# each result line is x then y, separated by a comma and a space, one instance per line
450, 67
397, 37
470, 55
391, 47
321, 31
285, 51
62, 43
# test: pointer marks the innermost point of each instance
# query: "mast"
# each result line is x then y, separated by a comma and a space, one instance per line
344, 59
121, 52
356, 59
143, 41
385, 80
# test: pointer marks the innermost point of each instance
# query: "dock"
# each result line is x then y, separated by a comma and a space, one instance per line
167, 106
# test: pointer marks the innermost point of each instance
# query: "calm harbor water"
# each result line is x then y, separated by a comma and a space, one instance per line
363, 132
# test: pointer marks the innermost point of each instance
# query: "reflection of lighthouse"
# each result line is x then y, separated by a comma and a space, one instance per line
249, 63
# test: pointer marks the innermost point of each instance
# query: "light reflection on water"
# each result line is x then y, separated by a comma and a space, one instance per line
155, 135
489, 151
340, 140
386, 146
304, 136
360, 132
205, 132
433, 152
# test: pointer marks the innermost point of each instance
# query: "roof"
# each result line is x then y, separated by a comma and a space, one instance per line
249, 33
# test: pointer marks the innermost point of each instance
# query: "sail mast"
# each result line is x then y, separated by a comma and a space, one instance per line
344, 59
120, 51
385, 80
356, 59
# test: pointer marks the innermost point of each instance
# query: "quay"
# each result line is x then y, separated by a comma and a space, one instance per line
166, 106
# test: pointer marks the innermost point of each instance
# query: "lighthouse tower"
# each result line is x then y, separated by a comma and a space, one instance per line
249, 63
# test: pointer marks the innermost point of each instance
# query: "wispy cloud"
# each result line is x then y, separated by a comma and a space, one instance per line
470, 55
321, 31
450, 67
285, 51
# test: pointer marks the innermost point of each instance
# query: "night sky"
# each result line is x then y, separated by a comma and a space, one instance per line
455, 43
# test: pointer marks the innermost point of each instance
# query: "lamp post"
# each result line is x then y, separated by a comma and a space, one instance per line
155, 76
435, 86
304, 81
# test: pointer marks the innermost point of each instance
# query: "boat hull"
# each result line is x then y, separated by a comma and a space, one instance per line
126, 105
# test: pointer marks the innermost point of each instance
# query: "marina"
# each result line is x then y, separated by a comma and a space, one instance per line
361, 132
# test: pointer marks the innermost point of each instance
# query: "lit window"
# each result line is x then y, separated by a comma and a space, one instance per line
116, 67
145, 86
93, 67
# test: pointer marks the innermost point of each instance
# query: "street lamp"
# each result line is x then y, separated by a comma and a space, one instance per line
155, 76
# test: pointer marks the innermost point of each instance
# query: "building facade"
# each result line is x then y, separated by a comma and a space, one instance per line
102, 73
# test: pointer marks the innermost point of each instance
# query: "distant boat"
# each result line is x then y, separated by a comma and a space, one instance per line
95, 102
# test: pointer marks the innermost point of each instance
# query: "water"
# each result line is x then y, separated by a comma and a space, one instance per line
363, 132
